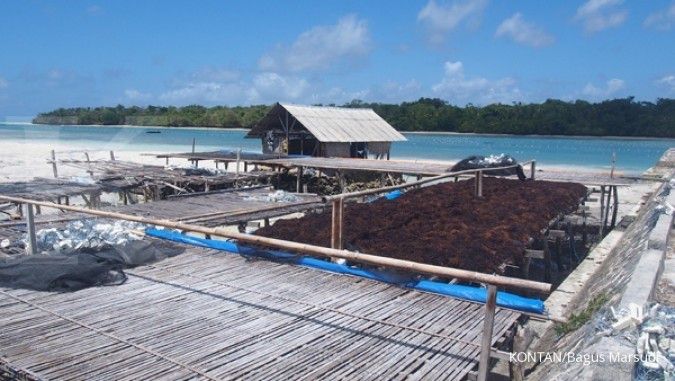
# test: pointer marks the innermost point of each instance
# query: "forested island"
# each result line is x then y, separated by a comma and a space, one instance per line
617, 117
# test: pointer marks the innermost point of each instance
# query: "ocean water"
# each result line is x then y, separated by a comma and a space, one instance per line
632, 155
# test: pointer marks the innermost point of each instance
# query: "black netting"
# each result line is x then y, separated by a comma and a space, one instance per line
82, 269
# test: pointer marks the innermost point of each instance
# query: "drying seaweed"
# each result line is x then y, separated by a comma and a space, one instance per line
444, 224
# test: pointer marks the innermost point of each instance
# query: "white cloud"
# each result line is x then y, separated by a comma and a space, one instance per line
264, 87
273, 87
3, 83
663, 19
597, 15
135, 95
611, 87
457, 88
668, 82
440, 19
523, 32
204, 92
322, 47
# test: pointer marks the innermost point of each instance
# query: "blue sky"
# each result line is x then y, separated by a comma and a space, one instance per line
90, 53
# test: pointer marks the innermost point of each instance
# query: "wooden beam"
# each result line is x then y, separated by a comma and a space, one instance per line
298, 183
54, 169
31, 242
615, 209
337, 224
478, 176
488, 327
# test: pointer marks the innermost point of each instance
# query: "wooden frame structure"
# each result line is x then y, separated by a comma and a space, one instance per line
492, 280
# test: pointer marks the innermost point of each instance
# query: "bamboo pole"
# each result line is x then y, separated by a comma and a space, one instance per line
615, 210
337, 224
54, 169
31, 242
479, 183
446, 272
298, 184
488, 327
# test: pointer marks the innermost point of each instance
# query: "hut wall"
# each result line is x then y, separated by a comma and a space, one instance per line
336, 149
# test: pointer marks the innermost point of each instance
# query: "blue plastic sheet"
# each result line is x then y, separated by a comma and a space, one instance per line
476, 294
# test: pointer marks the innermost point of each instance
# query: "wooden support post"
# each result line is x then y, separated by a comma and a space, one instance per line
298, 183
206, 185
337, 224
86, 156
54, 169
604, 219
615, 209
167, 160
611, 172
238, 160
216, 164
266, 222
245, 167
31, 242
602, 208
558, 253
479, 183
112, 155
38, 210
547, 260
533, 169
526, 267
194, 141
486, 338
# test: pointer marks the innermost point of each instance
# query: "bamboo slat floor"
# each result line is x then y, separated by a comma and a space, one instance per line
211, 315
221, 208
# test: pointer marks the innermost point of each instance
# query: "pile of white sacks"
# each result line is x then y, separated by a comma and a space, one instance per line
88, 234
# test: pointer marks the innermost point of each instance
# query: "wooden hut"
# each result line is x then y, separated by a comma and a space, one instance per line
325, 131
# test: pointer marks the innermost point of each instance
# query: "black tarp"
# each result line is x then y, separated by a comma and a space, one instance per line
478, 162
72, 272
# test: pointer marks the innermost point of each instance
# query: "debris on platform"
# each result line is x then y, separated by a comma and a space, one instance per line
87, 234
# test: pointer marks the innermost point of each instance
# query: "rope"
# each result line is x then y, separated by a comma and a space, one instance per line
111, 336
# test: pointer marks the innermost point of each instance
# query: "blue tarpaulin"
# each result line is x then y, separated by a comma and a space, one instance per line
476, 294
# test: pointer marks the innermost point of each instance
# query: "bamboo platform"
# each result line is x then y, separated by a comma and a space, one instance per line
222, 208
48, 189
210, 315
406, 167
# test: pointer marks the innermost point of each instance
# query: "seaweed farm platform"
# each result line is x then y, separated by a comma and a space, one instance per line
210, 315
405, 167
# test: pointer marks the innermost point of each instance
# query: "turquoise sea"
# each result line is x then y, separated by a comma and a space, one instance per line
633, 155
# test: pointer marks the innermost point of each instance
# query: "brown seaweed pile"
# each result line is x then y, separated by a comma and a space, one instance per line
445, 224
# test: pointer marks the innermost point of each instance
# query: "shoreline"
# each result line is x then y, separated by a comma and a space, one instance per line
442, 133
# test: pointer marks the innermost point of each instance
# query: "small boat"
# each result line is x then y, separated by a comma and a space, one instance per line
153, 132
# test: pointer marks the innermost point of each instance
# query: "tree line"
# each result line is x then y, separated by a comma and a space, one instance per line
617, 117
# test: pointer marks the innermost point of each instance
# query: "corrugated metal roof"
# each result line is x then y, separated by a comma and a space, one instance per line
335, 124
